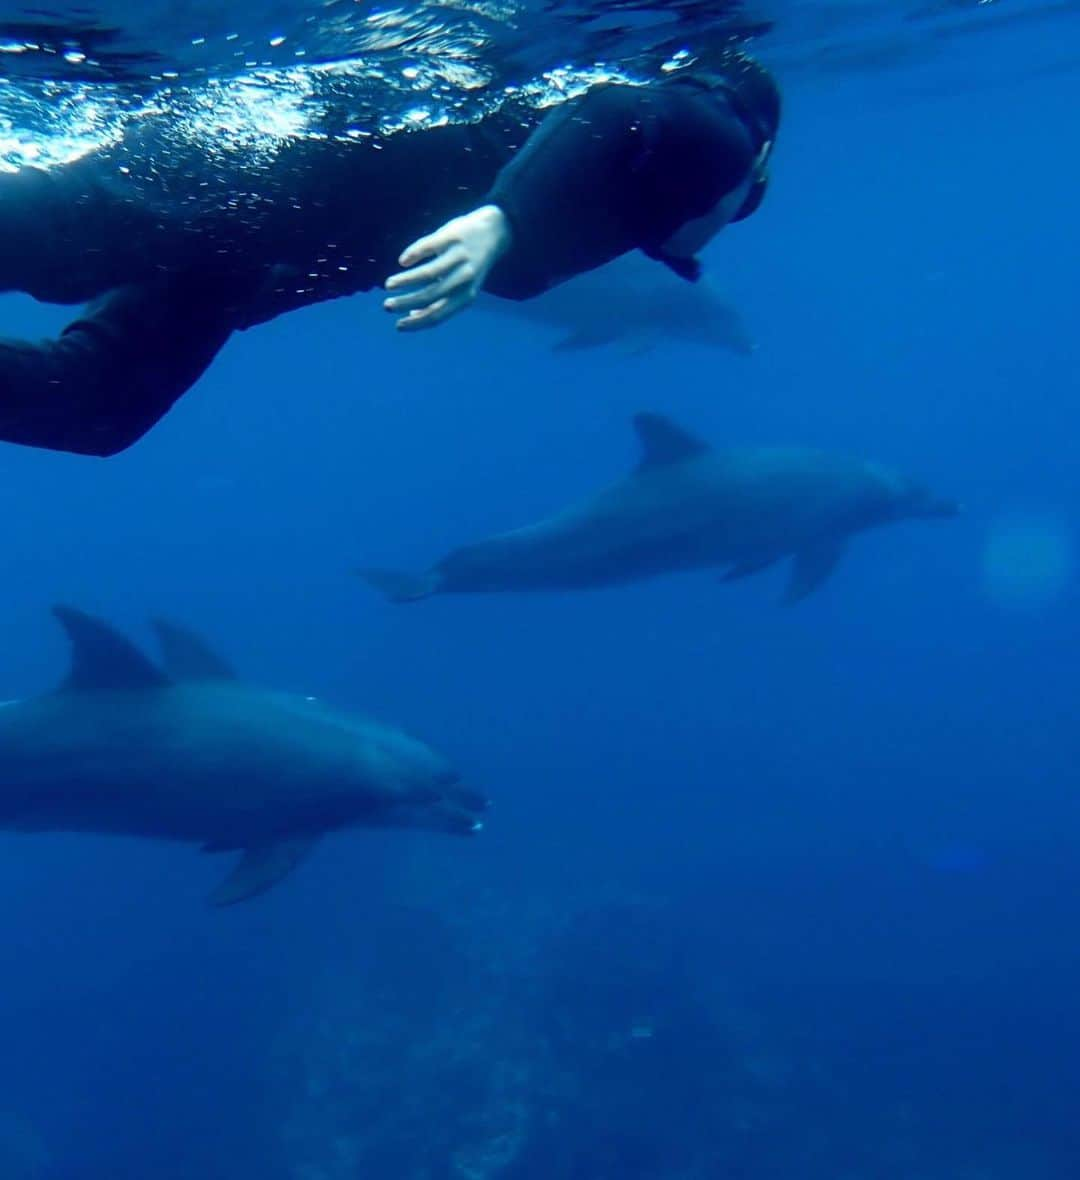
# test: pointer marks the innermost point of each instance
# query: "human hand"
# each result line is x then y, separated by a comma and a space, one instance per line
456, 261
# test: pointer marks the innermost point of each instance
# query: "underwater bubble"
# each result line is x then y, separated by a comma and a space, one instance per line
1028, 560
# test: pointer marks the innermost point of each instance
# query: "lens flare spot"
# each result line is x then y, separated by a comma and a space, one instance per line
1028, 560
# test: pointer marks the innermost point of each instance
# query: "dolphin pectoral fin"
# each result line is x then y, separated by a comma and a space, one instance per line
640, 342
582, 338
402, 587
812, 569
187, 656
744, 569
260, 868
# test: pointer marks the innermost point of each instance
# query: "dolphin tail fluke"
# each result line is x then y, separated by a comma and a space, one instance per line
812, 569
260, 868
400, 587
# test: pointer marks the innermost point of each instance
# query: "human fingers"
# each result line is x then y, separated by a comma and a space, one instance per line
427, 246
441, 265
459, 279
437, 313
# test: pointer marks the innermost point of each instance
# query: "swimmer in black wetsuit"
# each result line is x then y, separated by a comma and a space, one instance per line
175, 263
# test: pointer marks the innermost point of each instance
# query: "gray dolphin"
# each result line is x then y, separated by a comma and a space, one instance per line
687, 506
633, 304
188, 752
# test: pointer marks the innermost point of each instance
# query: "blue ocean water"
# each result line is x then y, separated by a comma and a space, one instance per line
764, 893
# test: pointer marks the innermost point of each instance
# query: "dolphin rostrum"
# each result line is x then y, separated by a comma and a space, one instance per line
188, 752
687, 506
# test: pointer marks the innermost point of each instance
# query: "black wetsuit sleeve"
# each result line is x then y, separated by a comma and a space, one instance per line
117, 369
620, 169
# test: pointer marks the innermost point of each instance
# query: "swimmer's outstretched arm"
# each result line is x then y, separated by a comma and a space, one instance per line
618, 169
445, 270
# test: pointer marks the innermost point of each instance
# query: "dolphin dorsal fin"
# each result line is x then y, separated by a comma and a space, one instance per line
664, 441
102, 658
187, 656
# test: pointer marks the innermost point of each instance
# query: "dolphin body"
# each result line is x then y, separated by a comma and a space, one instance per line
187, 752
633, 305
687, 506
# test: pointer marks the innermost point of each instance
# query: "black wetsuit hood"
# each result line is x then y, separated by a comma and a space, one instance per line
752, 95
748, 86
